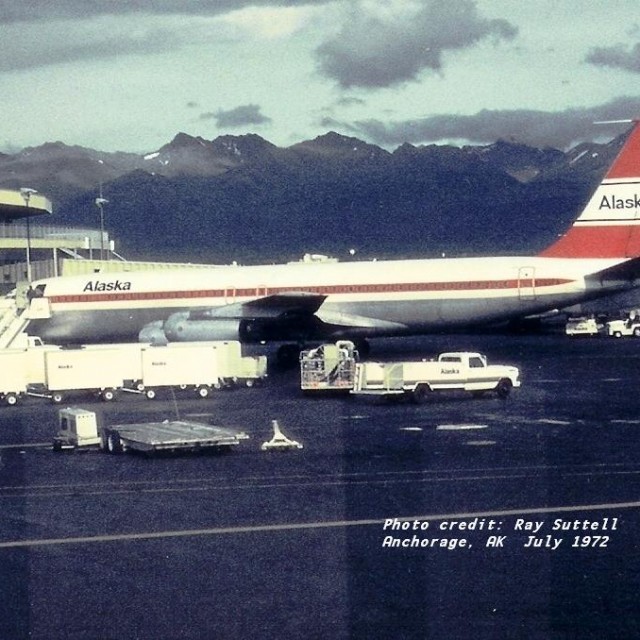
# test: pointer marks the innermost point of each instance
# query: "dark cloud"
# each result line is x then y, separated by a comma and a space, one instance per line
618, 56
41, 10
243, 115
537, 128
85, 46
380, 50
40, 33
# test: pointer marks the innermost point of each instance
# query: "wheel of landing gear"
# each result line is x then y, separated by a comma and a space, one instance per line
57, 397
150, 393
288, 355
363, 348
202, 392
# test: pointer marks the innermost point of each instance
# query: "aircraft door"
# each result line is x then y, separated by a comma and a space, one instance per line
526, 283
229, 295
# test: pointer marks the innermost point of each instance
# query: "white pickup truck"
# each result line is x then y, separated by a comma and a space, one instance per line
459, 370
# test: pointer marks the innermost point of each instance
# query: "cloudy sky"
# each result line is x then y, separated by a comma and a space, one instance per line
128, 75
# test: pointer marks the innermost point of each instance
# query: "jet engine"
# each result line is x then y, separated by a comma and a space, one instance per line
153, 333
191, 327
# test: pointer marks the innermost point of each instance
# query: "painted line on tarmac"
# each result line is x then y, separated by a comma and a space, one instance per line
284, 482
301, 526
31, 445
460, 427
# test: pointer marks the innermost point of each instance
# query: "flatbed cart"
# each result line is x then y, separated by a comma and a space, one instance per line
176, 435
79, 429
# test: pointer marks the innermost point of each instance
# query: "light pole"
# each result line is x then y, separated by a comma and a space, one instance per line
26, 194
100, 202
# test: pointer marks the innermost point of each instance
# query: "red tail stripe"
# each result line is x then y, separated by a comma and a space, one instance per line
627, 164
596, 242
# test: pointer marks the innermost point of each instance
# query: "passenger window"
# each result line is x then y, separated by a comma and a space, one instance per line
476, 363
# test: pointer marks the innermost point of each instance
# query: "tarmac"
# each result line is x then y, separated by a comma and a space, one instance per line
394, 521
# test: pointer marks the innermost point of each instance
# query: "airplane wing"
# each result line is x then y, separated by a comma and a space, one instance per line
299, 303
351, 320
282, 316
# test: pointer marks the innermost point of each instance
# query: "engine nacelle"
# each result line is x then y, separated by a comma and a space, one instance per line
153, 333
183, 327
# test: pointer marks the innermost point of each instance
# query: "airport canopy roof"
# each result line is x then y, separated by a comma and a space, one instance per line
17, 203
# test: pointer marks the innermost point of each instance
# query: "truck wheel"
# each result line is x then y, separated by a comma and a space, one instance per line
114, 444
202, 392
57, 397
11, 399
636, 332
503, 388
420, 394
108, 395
249, 383
617, 334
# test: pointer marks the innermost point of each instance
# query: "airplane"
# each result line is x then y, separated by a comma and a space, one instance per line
308, 301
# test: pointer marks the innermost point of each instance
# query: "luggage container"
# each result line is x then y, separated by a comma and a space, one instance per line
187, 366
13, 375
68, 371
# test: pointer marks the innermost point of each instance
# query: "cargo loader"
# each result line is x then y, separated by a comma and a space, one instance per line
329, 367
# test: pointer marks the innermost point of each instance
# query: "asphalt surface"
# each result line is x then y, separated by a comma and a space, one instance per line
252, 544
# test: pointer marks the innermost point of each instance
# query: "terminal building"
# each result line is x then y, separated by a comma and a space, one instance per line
31, 248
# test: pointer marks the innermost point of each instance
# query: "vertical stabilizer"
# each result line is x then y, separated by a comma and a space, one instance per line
609, 226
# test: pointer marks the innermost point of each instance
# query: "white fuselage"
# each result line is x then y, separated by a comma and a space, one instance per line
386, 297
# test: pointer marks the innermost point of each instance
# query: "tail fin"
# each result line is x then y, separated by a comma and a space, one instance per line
609, 226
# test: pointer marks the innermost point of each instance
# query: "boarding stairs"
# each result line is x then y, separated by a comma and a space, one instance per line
12, 321
14, 318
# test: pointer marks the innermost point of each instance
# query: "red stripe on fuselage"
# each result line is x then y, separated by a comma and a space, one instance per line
610, 241
262, 291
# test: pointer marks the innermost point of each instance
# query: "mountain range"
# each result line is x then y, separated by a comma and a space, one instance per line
242, 198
